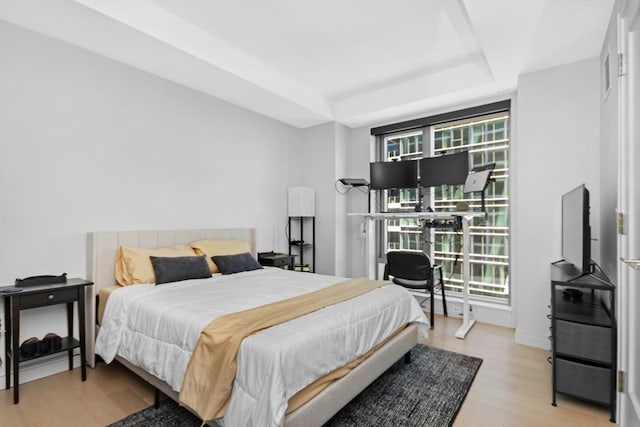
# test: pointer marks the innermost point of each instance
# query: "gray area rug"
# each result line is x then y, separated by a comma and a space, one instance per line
429, 391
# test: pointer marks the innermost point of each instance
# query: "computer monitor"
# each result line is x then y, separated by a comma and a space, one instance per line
448, 169
398, 174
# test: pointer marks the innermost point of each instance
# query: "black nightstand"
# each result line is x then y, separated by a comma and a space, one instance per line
40, 296
275, 259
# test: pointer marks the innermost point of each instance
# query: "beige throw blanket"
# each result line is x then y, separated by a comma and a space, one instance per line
206, 388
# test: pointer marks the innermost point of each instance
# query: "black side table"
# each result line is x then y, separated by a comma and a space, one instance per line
275, 259
40, 296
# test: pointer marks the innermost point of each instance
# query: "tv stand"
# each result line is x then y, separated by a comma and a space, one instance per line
573, 273
583, 335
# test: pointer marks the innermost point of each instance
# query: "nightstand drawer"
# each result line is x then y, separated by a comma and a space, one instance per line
273, 259
281, 262
49, 297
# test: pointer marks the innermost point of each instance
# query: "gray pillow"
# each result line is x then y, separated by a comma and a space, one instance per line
229, 264
174, 269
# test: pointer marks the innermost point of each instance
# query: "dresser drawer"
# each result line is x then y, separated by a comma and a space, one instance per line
584, 381
49, 297
584, 341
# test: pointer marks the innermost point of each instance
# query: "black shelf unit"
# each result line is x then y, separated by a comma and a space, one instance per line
300, 244
583, 336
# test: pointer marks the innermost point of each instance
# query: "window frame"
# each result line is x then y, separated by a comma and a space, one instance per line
427, 126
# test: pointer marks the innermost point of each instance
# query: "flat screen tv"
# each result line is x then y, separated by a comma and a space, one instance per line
398, 174
448, 169
576, 232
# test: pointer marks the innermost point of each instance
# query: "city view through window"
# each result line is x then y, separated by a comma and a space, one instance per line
487, 141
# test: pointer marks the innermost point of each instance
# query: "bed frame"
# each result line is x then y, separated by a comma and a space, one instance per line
101, 255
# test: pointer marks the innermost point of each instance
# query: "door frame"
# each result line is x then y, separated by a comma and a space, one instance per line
628, 208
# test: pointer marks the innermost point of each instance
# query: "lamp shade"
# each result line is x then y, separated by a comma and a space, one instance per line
302, 201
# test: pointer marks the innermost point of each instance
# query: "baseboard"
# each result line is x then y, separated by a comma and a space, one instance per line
44, 367
485, 312
533, 340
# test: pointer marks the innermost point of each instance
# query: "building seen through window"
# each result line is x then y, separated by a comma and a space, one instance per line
487, 141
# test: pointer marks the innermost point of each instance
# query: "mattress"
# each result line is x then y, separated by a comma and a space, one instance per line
157, 327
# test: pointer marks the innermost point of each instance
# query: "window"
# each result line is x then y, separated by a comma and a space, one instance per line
486, 138
402, 233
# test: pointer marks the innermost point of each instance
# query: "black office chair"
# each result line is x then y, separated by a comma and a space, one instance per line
414, 270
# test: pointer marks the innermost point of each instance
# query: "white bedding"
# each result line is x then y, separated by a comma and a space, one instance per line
157, 327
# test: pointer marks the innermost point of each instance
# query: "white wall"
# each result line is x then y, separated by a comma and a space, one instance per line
359, 152
609, 155
318, 157
324, 160
557, 149
89, 144
342, 140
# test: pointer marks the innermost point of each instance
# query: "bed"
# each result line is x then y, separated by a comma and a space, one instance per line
389, 339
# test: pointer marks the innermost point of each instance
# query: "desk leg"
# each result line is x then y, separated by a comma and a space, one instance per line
7, 343
15, 351
370, 249
467, 317
81, 328
70, 331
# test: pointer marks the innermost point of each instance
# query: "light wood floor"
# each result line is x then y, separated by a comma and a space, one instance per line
512, 388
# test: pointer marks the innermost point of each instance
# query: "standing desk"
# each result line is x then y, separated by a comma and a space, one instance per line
467, 318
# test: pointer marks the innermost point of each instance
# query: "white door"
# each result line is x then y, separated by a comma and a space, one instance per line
629, 242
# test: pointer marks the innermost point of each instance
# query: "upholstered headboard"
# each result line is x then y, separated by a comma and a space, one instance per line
102, 248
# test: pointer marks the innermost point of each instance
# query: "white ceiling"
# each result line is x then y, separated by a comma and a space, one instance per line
357, 62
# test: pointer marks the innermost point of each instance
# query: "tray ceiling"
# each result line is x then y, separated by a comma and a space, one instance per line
351, 61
